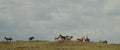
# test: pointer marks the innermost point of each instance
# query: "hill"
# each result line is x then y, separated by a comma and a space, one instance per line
46, 45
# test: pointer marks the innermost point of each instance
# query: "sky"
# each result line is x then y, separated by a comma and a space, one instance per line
46, 19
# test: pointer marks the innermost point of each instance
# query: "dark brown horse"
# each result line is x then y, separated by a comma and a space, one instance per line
31, 38
8, 39
87, 39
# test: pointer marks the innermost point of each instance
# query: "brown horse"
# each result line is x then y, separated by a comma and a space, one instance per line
69, 37
81, 40
63, 38
8, 39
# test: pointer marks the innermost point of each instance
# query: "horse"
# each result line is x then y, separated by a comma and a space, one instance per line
87, 39
103, 41
69, 38
31, 38
81, 40
8, 39
63, 38
56, 38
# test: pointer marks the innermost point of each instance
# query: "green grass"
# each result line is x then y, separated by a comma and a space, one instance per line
46, 45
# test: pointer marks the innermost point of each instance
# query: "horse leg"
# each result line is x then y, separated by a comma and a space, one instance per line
10, 40
6, 40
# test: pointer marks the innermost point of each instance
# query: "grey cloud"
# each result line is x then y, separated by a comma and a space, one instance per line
44, 17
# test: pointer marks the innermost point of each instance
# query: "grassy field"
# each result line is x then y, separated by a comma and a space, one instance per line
46, 45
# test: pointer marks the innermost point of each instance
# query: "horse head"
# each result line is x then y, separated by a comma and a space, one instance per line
5, 38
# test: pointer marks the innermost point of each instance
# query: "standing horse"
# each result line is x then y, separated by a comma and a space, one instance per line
63, 38
31, 38
81, 40
87, 39
8, 39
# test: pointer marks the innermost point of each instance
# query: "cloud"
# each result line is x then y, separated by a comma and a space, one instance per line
41, 18
112, 7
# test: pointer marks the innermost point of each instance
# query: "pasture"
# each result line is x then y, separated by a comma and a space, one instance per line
47, 45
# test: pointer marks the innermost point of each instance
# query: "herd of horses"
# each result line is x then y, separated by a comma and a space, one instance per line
9, 39
61, 38
68, 38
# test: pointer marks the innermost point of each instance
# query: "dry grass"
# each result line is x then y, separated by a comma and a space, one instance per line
46, 45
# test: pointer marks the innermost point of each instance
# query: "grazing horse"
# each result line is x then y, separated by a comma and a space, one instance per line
31, 38
81, 40
56, 38
103, 41
69, 37
8, 39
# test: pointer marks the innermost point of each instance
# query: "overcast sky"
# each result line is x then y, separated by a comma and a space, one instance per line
46, 19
